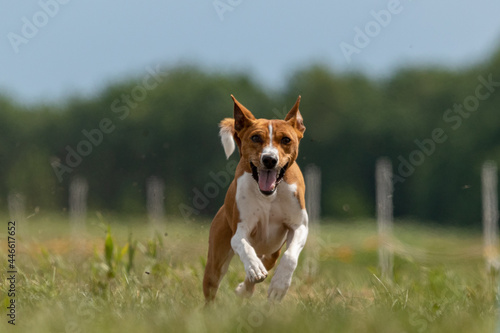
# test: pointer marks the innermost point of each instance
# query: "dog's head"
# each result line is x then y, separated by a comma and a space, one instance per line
267, 147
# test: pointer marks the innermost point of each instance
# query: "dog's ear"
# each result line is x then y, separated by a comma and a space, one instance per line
295, 118
242, 116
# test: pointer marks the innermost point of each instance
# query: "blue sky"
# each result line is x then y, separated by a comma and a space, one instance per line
50, 49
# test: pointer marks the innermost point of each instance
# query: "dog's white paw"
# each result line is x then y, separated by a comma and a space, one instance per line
278, 288
242, 291
256, 272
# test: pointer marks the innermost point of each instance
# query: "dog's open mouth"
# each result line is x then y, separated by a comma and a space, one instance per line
268, 179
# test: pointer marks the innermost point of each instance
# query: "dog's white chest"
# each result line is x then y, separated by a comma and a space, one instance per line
266, 218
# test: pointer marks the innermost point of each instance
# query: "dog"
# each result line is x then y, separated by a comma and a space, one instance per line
264, 207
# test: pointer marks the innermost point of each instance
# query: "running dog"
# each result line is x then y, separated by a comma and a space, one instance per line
264, 206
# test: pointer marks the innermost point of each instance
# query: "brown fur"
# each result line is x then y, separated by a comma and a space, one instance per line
243, 126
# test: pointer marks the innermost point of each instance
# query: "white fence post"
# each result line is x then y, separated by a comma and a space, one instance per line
489, 180
17, 207
312, 177
313, 192
155, 189
384, 192
78, 191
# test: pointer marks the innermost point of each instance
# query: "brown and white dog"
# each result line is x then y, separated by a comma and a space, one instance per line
264, 205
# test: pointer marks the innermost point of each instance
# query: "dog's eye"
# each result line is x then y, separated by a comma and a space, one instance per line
285, 140
256, 138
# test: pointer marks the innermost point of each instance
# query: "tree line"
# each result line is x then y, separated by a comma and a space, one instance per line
437, 126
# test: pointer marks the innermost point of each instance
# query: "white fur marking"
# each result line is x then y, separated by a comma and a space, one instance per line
283, 276
270, 149
256, 272
227, 141
271, 134
261, 231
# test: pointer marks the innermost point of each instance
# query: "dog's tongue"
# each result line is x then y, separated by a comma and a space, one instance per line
267, 180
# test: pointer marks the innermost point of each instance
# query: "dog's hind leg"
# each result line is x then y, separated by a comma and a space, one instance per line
246, 288
270, 260
220, 254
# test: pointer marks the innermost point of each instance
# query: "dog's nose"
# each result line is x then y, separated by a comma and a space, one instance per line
269, 161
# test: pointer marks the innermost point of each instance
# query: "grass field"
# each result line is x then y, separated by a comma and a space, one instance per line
132, 278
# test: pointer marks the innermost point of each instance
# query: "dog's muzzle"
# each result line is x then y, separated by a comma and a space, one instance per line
267, 178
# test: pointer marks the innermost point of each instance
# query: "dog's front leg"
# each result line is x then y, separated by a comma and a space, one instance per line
282, 279
254, 268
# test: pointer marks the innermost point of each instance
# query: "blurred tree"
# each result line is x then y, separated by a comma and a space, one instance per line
167, 126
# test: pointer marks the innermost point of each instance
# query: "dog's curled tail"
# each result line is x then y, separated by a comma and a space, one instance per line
227, 135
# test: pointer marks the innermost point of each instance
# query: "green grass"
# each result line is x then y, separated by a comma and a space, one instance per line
134, 278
